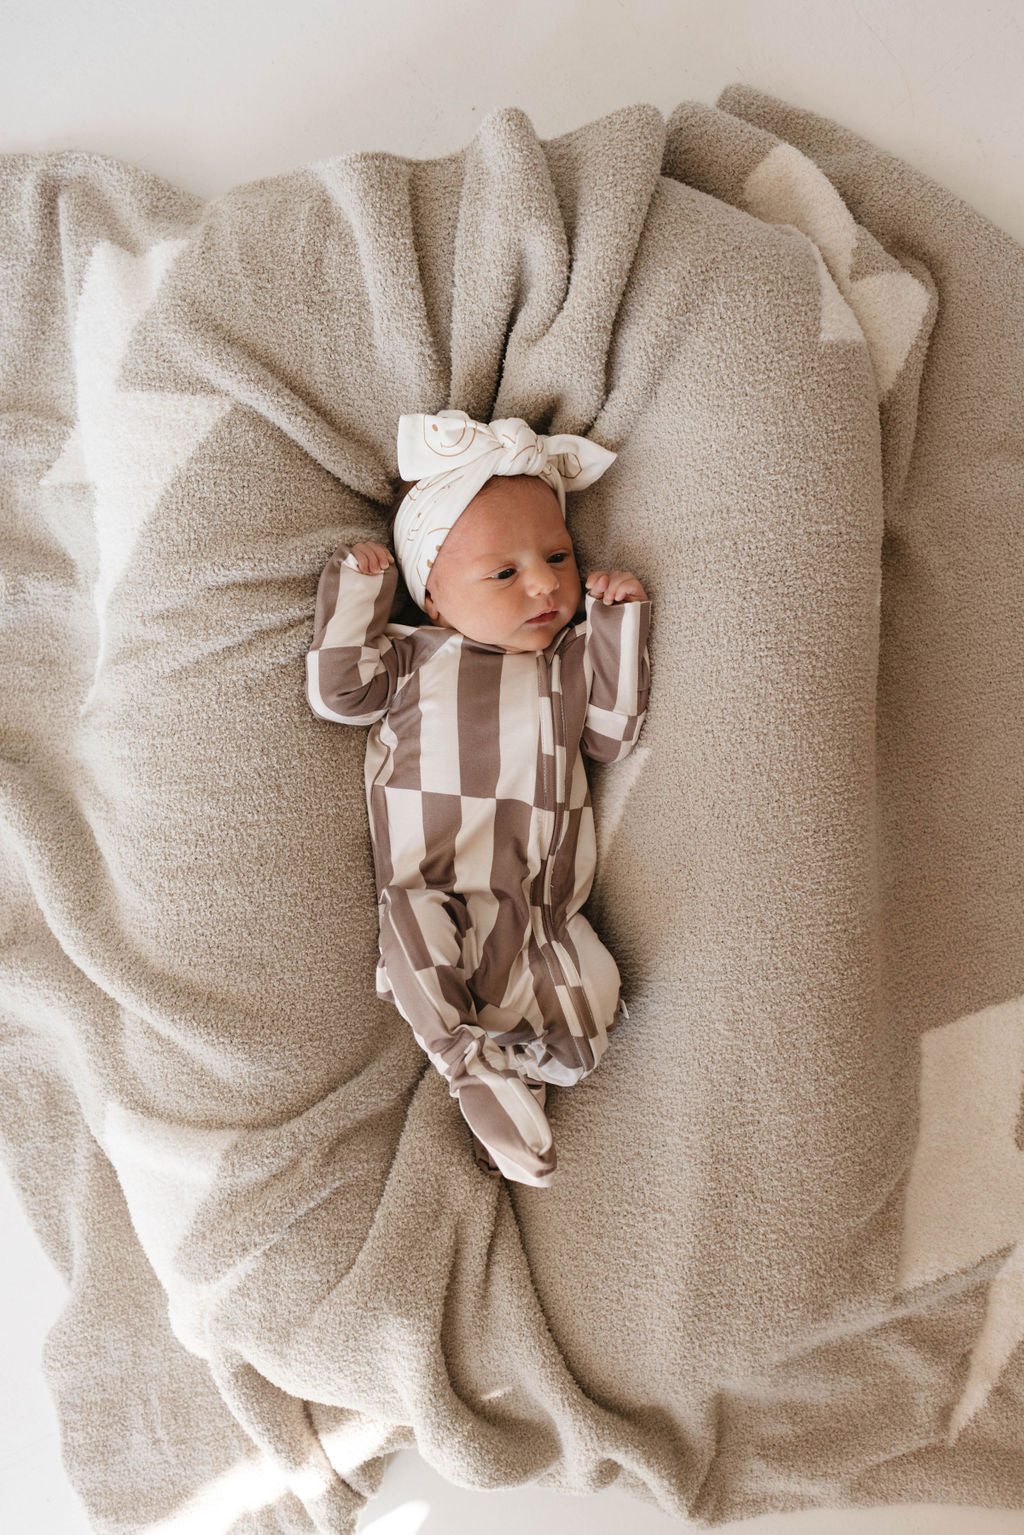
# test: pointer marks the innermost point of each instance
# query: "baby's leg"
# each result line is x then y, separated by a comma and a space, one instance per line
494, 1169
518, 1143
421, 948
480, 1152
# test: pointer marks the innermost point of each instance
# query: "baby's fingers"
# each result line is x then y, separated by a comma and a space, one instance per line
612, 585
616, 586
372, 558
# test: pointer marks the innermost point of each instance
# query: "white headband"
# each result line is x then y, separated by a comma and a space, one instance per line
451, 456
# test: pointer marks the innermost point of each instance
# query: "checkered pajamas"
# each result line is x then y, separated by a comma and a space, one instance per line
483, 839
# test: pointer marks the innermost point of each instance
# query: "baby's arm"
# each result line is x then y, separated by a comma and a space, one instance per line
352, 667
617, 664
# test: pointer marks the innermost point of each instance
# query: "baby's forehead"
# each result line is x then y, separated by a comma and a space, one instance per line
501, 541
508, 513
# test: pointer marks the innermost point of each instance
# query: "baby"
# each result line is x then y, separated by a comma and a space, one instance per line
479, 805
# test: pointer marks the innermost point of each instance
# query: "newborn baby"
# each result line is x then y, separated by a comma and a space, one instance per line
478, 800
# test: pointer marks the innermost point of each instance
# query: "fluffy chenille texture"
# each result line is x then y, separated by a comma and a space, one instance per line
781, 1266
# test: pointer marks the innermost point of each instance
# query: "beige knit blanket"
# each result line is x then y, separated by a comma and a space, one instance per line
782, 1265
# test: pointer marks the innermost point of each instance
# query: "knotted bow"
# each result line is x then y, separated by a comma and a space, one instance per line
451, 457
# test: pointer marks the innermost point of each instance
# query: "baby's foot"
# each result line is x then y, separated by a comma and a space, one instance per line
520, 1147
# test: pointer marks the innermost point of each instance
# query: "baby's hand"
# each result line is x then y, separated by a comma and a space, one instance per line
372, 557
617, 586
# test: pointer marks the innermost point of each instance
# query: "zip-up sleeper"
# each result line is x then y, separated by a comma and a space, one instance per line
483, 839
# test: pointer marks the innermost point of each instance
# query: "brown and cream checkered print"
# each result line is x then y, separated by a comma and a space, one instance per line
483, 838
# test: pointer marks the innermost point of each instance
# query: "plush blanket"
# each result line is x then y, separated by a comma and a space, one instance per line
781, 1266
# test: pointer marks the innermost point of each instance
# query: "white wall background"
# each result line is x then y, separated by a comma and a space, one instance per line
209, 93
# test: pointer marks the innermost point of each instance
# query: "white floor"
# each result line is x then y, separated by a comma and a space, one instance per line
211, 95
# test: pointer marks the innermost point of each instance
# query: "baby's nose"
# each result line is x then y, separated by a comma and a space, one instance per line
545, 579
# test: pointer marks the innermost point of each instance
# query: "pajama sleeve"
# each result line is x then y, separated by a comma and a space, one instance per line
354, 669
618, 668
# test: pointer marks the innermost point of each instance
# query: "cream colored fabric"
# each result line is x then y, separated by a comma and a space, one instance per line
451, 457
780, 1266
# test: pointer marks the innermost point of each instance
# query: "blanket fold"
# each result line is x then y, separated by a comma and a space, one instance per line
780, 1267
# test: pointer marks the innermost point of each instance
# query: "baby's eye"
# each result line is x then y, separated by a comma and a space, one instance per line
559, 554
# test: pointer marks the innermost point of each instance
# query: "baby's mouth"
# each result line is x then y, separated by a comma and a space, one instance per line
544, 618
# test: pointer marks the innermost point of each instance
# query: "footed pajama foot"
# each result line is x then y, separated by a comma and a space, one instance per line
483, 1158
510, 1128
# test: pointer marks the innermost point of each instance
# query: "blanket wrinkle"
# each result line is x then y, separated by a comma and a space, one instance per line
283, 1427
809, 359
374, 194
598, 224
701, 1500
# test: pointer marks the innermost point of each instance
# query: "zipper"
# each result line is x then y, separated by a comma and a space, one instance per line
564, 958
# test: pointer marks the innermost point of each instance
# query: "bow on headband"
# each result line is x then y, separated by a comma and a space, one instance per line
451, 457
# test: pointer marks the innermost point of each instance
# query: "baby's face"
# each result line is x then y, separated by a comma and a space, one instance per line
508, 557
